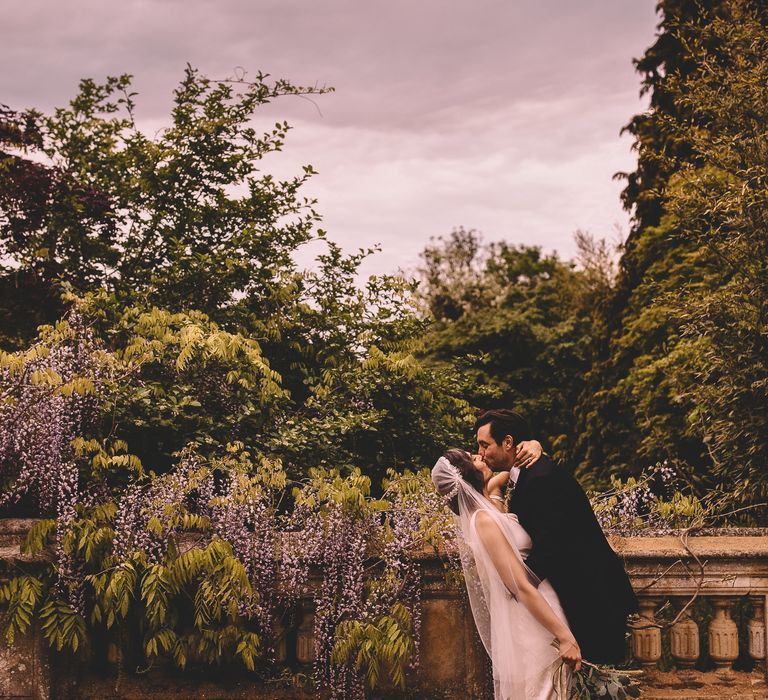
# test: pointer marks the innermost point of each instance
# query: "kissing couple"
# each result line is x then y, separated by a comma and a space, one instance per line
543, 582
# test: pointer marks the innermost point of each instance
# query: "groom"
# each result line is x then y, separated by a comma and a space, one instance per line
569, 547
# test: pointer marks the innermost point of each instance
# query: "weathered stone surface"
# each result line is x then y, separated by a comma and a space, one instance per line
665, 546
452, 659
684, 642
16, 679
24, 671
695, 685
646, 636
453, 663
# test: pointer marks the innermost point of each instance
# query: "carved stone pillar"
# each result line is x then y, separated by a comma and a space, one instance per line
646, 637
756, 631
305, 639
281, 650
113, 654
723, 636
684, 641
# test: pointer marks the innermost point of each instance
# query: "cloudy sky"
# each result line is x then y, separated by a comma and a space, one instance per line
499, 115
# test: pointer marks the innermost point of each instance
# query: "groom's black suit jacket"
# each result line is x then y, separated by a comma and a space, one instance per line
570, 549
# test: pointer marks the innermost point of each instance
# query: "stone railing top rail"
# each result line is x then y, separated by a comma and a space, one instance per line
672, 546
736, 544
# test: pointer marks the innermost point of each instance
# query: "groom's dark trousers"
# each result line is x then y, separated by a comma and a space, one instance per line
570, 549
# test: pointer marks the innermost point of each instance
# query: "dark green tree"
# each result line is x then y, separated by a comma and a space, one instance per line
628, 418
28, 296
684, 368
719, 364
517, 323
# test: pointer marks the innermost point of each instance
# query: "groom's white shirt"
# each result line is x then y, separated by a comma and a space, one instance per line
514, 473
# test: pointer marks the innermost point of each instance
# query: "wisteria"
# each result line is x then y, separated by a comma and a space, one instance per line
341, 597
149, 514
667, 473
366, 555
333, 539
363, 550
417, 518
651, 501
124, 549
243, 516
51, 396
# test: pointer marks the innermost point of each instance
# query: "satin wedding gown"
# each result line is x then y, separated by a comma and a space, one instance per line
509, 619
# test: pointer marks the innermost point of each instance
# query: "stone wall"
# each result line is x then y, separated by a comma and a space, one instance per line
723, 569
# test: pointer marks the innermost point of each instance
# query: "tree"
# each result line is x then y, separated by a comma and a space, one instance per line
516, 323
684, 376
27, 297
184, 220
718, 201
628, 416
180, 252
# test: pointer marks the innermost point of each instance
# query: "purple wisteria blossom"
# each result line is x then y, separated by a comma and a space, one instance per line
49, 399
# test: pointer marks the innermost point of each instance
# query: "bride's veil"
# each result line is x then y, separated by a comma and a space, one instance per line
520, 648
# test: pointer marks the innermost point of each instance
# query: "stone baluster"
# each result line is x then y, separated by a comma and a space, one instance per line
684, 641
756, 631
113, 654
305, 639
646, 636
281, 647
723, 637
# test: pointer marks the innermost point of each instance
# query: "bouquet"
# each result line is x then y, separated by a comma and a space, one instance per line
594, 681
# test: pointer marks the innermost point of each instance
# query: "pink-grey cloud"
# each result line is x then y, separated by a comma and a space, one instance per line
503, 115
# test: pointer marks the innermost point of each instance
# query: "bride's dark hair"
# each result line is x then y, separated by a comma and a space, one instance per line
463, 462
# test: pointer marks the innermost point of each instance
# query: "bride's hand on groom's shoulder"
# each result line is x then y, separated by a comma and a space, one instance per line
528, 453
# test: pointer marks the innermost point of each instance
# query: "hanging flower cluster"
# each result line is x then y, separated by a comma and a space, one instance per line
243, 515
342, 562
651, 501
333, 525
207, 531
151, 514
51, 396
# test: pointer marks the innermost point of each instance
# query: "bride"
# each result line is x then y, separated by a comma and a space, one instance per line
518, 617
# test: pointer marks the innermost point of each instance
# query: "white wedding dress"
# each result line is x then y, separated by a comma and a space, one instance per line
511, 625
525, 662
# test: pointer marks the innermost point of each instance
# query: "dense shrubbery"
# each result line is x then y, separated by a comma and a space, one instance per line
202, 566
200, 400
206, 562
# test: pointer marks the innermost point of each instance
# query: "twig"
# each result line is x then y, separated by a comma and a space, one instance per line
699, 583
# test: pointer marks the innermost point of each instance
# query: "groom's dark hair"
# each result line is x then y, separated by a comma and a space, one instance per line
503, 422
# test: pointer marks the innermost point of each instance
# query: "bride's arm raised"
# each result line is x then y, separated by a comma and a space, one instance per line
514, 576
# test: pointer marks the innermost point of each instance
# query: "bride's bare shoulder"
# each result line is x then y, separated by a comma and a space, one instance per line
485, 520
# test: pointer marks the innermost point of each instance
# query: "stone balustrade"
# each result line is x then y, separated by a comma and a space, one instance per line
674, 576
689, 595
